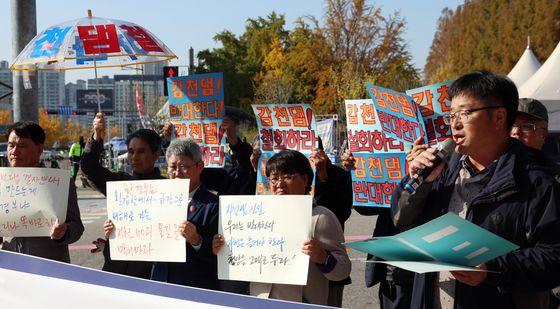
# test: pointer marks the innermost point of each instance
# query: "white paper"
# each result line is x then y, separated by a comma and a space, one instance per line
263, 237
31, 200
427, 267
146, 215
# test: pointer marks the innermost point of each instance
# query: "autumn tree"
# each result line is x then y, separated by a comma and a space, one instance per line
492, 35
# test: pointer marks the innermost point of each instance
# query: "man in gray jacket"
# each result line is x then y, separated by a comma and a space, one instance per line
25, 145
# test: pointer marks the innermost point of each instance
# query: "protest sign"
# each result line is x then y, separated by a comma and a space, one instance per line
325, 132
434, 102
283, 126
398, 116
380, 158
31, 200
445, 243
263, 236
196, 108
146, 215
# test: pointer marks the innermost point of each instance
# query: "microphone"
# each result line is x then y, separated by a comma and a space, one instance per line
443, 151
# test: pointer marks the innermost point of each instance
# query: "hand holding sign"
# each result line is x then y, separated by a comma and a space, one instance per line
188, 231
99, 126
108, 227
58, 230
316, 253
472, 278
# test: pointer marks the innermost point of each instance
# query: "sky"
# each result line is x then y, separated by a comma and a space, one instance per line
181, 24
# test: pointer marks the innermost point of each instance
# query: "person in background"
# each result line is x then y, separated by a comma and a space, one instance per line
143, 151
290, 172
496, 182
184, 161
26, 141
395, 284
75, 155
166, 135
333, 190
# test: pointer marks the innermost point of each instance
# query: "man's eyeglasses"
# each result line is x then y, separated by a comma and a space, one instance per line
287, 178
526, 127
180, 168
464, 114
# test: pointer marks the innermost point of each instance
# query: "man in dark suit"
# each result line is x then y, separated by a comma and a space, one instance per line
184, 160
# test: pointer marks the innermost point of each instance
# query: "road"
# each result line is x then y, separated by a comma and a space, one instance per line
356, 295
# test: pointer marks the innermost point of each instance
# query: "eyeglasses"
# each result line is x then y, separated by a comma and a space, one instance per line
464, 114
526, 127
286, 178
180, 168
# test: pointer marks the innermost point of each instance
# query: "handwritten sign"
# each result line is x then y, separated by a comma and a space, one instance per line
398, 115
146, 215
380, 158
196, 108
31, 200
263, 237
434, 102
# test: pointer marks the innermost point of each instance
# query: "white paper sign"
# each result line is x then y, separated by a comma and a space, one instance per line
263, 236
146, 215
31, 200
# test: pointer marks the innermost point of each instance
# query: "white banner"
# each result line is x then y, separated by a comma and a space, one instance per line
31, 200
146, 215
263, 236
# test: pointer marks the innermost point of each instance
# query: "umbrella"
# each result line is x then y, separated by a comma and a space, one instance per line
91, 42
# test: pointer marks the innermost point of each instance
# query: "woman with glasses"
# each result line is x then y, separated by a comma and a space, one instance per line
290, 172
184, 161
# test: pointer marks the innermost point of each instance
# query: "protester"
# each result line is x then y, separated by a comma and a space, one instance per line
236, 178
143, 151
497, 183
26, 141
290, 173
75, 155
333, 190
166, 135
395, 284
184, 161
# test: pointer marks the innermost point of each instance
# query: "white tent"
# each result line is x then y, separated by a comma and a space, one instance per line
544, 86
525, 67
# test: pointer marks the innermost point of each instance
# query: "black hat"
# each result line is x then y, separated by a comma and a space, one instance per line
533, 107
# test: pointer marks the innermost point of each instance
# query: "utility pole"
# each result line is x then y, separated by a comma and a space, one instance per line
191, 61
24, 28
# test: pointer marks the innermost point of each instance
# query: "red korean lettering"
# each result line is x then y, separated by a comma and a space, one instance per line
378, 97
142, 37
180, 129
212, 109
198, 110
192, 88
368, 113
361, 191
279, 139
391, 102
375, 168
281, 115
353, 145
426, 105
266, 139
177, 89
352, 110
265, 116
308, 140
443, 130
99, 39
211, 133
443, 98
207, 86
429, 124
363, 141
187, 111
406, 106
393, 167
360, 167
195, 132
298, 116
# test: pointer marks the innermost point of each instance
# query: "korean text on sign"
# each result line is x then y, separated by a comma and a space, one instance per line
434, 102
380, 158
196, 108
398, 116
31, 200
286, 126
263, 237
146, 215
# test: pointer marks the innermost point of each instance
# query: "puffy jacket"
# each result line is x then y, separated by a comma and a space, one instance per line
521, 204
